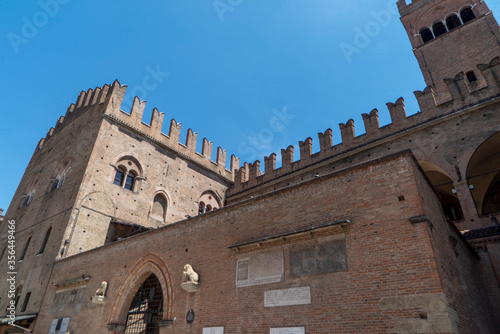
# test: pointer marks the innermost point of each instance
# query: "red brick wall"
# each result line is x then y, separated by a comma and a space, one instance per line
389, 259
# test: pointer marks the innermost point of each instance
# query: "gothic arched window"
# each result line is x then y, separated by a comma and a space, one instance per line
129, 183
209, 201
453, 22
127, 172
119, 176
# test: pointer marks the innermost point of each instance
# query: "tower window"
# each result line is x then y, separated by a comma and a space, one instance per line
427, 35
467, 15
119, 176
439, 29
453, 22
26, 301
471, 77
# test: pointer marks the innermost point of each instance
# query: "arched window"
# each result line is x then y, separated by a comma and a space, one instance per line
426, 35
209, 201
45, 240
127, 172
119, 176
159, 207
146, 310
467, 15
130, 181
439, 29
25, 248
453, 22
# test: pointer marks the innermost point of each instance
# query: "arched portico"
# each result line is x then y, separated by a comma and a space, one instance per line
483, 176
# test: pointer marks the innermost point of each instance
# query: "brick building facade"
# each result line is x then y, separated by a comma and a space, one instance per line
392, 231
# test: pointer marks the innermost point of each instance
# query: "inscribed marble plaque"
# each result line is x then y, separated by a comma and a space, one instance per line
288, 330
260, 268
213, 330
287, 297
324, 257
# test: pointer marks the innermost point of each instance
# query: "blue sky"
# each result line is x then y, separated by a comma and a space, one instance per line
224, 68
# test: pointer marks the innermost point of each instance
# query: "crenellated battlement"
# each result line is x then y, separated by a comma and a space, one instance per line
171, 140
85, 99
110, 99
460, 95
461, 92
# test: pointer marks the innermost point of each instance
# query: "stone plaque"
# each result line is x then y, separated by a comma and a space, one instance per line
288, 330
260, 268
324, 257
287, 297
213, 330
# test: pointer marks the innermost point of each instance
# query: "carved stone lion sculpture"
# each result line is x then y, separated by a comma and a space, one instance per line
101, 292
189, 275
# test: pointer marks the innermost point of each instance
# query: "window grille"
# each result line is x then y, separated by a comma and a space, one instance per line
146, 310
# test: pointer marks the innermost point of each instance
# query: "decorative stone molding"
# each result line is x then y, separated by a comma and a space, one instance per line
191, 286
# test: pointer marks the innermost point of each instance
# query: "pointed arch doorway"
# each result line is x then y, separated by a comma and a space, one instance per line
146, 310
143, 303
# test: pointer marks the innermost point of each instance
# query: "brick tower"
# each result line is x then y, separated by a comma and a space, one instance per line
450, 37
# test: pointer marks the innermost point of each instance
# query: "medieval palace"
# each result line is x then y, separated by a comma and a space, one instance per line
123, 229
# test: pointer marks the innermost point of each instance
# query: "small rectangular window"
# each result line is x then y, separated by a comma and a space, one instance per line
26, 301
471, 77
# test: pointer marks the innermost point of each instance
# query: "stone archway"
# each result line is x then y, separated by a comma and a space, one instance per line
149, 275
483, 176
